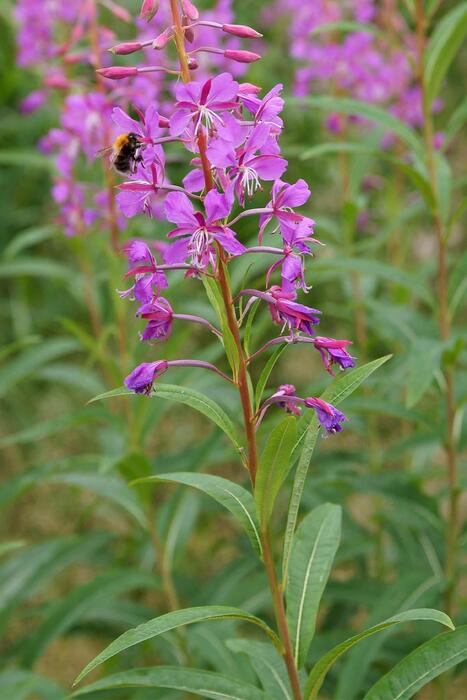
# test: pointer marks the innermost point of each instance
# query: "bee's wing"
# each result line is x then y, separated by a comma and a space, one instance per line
104, 151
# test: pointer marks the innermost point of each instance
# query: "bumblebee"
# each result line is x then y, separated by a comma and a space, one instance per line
126, 153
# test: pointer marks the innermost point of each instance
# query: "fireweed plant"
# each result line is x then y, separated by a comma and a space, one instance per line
230, 131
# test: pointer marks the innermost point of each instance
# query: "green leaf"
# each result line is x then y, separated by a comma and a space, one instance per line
409, 590
207, 684
345, 27
29, 238
69, 610
18, 684
418, 179
106, 486
420, 667
274, 465
382, 117
232, 496
314, 547
189, 397
442, 48
266, 372
170, 621
30, 360
423, 362
26, 572
268, 665
34, 267
320, 669
26, 159
342, 386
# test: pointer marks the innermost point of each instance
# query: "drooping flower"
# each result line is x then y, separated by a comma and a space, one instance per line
328, 415
285, 311
149, 280
142, 378
159, 315
333, 352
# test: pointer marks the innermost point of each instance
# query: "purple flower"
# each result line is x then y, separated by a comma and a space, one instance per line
266, 109
250, 163
328, 415
197, 232
142, 378
333, 352
285, 311
283, 198
201, 102
159, 315
140, 195
149, 280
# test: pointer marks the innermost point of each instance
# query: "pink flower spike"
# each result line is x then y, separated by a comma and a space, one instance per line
241, 30
149, 9
190, 10
241, 56
117, 72
126, 48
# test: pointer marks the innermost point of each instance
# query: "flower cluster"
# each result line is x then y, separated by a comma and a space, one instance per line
374, 64
231, 133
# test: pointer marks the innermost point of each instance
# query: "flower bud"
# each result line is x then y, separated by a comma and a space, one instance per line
126, 48
189, 34
56, 80
190, 10
117, 72
242, 56
117, 11
164, 123
149, 9
248, 89
241, 30
193, 63
163, 39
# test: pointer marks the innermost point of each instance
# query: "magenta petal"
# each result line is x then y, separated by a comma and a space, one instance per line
223, 89
177, 252
217, 206
179, 121
295, 195
230, 243
180, 210
268, 167
124, 122
194, 181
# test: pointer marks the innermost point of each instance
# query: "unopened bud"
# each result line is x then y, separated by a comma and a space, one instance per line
56, 81
163, 39
190, 10
117, 72
193, 63
126, 48
248, 89
164, 123
189, 34
149, 9
242, 56
241, 30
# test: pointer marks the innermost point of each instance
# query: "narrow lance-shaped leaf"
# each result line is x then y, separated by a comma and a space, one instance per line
313, 550
170, 621
229, 494
321, 668
443, 46
420, 667
207, 684
382, 117
266, 372
273, 467
268, 665
189, 397
337, 391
